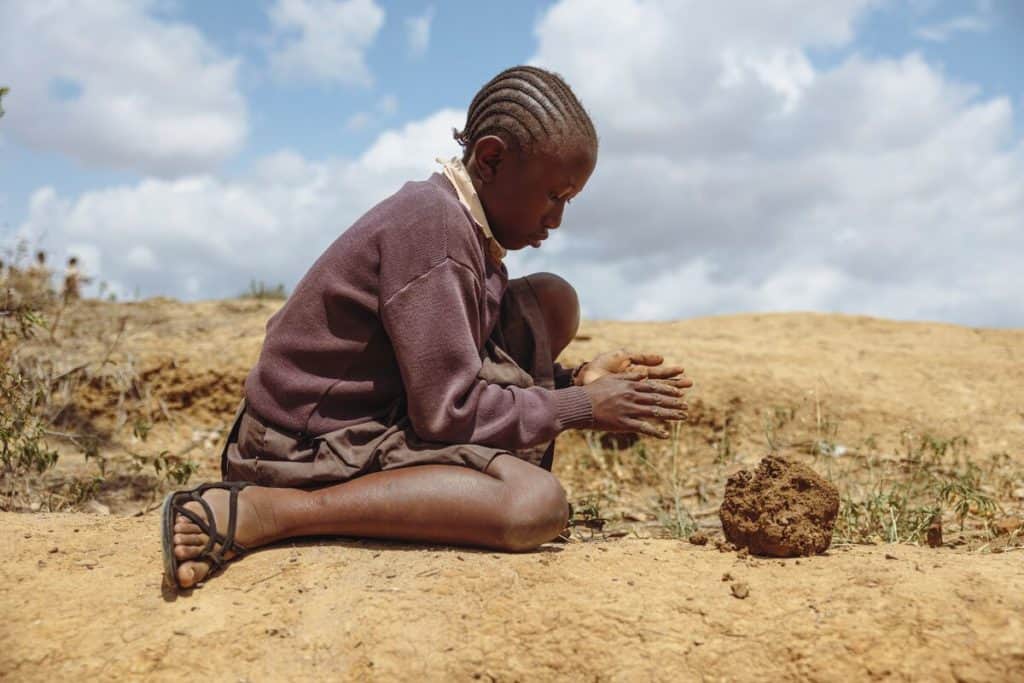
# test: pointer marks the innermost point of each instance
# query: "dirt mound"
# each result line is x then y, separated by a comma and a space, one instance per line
783, 509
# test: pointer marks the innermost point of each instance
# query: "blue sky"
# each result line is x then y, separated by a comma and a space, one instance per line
748, 96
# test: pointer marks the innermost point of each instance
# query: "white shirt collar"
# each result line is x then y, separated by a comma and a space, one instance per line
455, 171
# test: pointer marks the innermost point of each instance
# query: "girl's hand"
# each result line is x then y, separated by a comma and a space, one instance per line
627, 402
643, 365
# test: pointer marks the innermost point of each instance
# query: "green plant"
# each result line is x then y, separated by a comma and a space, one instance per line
904, 496
260, 291
774, 422
586, 513
168, 468
675, 516
23, 448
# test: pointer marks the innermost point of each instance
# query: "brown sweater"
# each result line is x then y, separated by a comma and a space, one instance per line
399, 308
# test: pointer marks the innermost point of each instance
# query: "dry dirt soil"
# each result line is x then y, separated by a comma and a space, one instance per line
81, 598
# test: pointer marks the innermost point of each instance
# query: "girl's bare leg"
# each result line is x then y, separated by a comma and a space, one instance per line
512, 506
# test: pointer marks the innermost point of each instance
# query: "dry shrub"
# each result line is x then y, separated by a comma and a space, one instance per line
43, 374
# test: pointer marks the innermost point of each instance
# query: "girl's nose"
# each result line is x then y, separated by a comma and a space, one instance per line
553, 219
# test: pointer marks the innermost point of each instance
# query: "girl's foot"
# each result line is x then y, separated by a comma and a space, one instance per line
253, 527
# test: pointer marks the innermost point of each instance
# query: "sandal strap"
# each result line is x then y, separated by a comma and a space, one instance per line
208, 526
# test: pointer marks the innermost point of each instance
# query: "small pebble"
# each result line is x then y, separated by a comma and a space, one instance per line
740, 590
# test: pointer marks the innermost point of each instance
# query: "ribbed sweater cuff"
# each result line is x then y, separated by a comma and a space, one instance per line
573, 409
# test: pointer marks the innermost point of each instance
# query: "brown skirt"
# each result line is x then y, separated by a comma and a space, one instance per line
518, 353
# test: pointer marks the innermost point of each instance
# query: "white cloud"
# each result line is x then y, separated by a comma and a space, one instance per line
386, 108
747, 179
943, 31
323, 40
208, 236
734, 175
107, 83
359, 120
417, 32
388, 105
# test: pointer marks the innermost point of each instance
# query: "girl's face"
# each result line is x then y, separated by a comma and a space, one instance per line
524, 196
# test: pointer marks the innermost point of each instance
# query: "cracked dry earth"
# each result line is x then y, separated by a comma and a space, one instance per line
81, 599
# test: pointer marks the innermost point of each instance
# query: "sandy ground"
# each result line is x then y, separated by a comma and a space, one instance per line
80, 594
81, 600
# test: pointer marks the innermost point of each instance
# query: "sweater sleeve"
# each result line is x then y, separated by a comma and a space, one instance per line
432, 322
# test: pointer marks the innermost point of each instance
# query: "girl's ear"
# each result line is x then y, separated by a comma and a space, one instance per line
489, 152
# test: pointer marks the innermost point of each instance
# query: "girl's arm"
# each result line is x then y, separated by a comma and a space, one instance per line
433, 323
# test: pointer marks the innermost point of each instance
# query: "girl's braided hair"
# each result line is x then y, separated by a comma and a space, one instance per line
528, 108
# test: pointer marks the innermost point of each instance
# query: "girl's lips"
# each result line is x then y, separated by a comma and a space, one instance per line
535, 239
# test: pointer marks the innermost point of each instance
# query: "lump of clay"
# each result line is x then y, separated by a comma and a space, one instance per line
782, 509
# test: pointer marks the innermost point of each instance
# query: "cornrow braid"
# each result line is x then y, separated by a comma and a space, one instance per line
529, 108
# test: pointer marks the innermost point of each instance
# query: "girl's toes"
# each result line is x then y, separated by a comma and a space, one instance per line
190, 539
187, 552
191, 573
184, 526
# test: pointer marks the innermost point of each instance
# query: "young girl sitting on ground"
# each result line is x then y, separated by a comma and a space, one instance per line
407, 389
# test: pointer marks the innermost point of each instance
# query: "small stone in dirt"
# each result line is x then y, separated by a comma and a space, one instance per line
727, 577
54, 549
1007, 525
28, 535
698, 538
782, 509
724, 547
742, 552
934, 533
740, 590
890, 556
97, 507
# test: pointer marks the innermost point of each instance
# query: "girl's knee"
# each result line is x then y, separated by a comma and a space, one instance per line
537, 512
560, 305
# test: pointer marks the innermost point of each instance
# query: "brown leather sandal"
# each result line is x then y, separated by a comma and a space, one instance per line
217, 544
